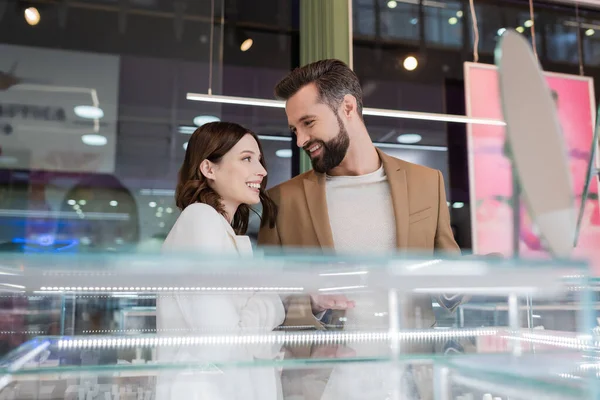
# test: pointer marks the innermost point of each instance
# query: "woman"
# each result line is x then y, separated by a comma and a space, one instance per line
222, 175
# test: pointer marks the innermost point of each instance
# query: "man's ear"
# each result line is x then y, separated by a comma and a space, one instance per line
349, 105
207, 169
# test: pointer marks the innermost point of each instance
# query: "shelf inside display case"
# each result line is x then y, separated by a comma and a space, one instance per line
273, 347
71, 367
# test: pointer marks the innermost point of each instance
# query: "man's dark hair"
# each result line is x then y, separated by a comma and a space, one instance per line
333, 78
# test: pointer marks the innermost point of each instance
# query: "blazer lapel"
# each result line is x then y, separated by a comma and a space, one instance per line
316, 198
396, 176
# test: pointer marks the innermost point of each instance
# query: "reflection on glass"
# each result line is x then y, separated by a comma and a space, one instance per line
552, 205
591, 180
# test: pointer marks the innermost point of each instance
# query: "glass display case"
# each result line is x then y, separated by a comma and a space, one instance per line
157, 326
123, 368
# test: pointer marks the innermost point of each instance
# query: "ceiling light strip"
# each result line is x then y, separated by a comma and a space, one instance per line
275, 138
377, 144
410, 146
582, 3
377, 112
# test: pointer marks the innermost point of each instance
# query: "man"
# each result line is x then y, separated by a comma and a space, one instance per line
356, 198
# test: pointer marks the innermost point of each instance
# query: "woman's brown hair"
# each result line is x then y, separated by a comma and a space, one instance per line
211, 142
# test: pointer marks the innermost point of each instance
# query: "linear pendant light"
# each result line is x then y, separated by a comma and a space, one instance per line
377, 112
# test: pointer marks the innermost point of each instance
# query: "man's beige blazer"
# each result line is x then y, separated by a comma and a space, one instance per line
420, 210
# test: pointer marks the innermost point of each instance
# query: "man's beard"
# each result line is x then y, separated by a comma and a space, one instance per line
333, 152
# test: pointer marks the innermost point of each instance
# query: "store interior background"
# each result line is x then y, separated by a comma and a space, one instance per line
61, 192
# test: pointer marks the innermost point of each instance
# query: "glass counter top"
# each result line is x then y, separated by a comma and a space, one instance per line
282, 272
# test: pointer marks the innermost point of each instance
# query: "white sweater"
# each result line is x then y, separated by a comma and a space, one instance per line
361, 213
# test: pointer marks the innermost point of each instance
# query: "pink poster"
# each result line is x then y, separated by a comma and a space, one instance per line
490, 174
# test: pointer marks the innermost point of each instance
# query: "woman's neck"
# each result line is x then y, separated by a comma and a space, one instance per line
230, 209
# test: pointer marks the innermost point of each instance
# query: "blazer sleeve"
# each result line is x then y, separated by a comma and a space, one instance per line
268, 236
444, 238
298, 309
445, 243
